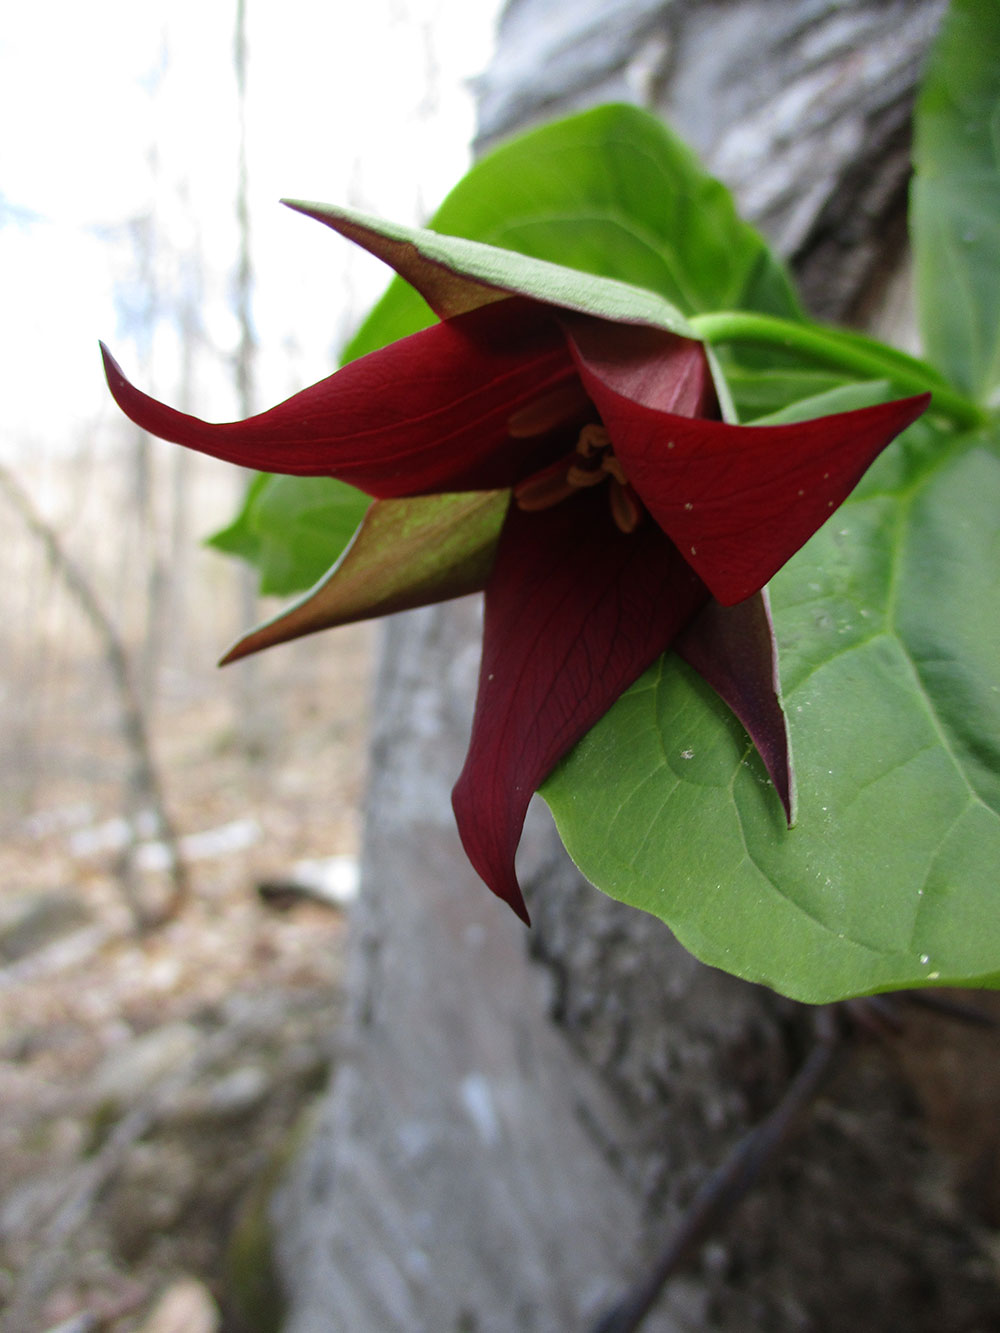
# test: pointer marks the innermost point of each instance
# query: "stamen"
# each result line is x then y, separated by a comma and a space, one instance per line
593, 439
591, 464
586, 476
548, 410
626, 509
611, 465
544, 489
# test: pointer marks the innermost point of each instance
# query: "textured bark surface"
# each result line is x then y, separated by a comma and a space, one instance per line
523, 1117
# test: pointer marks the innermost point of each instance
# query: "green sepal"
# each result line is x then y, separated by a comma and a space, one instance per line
455, 275
406, 553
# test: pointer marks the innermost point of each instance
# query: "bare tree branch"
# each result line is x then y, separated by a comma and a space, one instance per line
144, 786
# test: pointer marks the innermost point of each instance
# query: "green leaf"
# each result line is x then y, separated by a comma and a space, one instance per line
843, 398
779, 362
955, 203
293, 529
406, 553
240, 537
761, 392
610, 192
888, 625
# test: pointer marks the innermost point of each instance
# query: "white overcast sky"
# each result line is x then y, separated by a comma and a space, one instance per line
116, 110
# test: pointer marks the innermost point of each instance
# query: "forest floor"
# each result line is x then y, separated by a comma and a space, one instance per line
154, 1081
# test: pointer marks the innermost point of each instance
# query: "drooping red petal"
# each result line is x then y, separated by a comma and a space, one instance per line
733, 649
429, 413
738, 501
575, 612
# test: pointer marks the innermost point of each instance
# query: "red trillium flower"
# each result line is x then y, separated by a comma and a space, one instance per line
557, 441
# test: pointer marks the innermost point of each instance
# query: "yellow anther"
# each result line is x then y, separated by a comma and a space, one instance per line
593, 439
542, 491
612, 466
585, 476
625, 507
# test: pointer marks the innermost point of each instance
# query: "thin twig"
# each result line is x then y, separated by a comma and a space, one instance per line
729, 1183
145, 778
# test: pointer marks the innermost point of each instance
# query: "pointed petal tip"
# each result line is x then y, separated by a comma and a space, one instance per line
510, 893
491, 858
788, 802
912, 408
754, 504
520, 909
112, 370
116, 379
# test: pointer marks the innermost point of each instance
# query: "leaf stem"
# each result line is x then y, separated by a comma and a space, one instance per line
843, 351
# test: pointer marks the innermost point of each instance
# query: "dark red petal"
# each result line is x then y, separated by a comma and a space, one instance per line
646, 366
738, 501
733, 649
428, 413
575, 612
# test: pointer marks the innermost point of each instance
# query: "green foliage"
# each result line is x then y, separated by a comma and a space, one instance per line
292, 528
955, 204
889, 628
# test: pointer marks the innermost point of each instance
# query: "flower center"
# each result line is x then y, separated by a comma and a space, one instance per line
591, 463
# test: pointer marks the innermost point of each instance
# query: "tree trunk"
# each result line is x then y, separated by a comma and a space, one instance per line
521, 1119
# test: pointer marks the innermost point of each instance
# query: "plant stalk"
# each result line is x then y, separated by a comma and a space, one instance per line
841, 351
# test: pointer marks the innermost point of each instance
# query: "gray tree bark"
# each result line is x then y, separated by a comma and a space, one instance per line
520, 1119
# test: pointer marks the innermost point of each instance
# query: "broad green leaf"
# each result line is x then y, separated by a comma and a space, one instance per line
765, 378
406, 553
955, 202
888, 625
611, 192
240, 537
761, 392
843, 398
293, 529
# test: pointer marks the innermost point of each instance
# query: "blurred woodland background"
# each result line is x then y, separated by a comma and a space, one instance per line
177, 844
